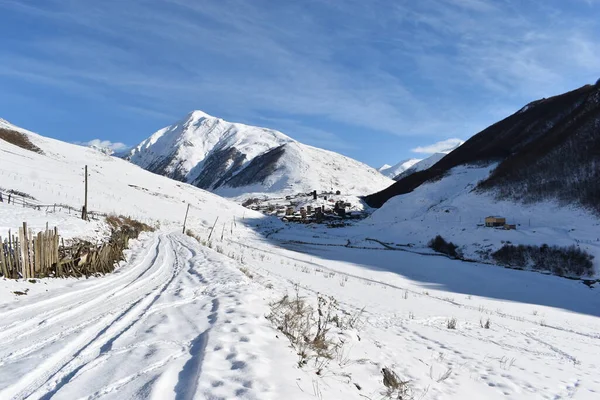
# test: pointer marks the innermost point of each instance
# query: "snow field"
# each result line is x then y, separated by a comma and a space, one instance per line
178, 320
530, 350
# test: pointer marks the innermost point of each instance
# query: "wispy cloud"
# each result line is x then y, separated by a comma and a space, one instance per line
412, 69
444, 146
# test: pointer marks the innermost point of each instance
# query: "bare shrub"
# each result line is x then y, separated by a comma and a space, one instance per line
19, 139
121, 221
191, 234
563, 261
396, 388
451, 323
309, 329
445, 375
440, 245
246, 272
486, 324
506, 363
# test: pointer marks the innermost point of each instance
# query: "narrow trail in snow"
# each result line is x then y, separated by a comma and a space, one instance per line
142, 332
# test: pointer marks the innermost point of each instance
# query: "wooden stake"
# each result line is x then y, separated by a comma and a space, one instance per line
85, 204
185, 219
213, 228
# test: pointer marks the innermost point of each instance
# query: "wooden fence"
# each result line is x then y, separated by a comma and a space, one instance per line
28, 255
44, 254
17, 198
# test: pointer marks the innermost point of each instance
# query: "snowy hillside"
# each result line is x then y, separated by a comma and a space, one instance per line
450, 207
115, 185
233, 159
395, 170
185, 319
546, 151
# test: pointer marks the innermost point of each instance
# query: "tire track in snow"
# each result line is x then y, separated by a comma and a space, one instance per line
130, 317
142, 333
51, 367
34, 321
79, 308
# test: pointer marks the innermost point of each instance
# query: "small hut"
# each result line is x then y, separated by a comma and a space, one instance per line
492, 221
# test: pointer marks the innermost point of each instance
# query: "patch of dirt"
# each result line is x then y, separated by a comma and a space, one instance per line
19, 139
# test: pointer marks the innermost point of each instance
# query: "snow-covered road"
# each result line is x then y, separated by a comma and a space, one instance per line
141, 332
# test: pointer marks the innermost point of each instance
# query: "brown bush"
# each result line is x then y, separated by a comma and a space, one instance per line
120, 221
19, 139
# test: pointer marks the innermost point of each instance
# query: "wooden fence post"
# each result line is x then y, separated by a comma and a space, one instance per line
23, 255
3, 259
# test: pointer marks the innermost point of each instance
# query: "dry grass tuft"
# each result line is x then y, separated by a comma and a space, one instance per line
451, 323
309, 329
120, 222
396, 388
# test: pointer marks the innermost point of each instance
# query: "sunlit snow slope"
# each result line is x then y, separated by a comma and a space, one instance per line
392, 171
115, 185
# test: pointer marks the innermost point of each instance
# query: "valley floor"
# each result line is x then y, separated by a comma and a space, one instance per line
182, 321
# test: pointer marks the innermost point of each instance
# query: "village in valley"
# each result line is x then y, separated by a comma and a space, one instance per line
327, 207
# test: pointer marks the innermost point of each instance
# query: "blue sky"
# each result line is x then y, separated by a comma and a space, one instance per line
370, 79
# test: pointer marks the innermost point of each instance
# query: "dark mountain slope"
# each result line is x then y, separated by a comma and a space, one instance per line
548, 149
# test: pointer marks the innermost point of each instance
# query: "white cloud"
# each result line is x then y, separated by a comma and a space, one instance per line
445, 146
105, 144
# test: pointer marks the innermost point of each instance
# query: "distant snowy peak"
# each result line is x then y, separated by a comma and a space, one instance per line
421, 165
395, 170
102, 149
233, 159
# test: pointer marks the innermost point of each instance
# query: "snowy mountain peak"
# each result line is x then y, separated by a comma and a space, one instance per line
235, 158
199, 114
395, 170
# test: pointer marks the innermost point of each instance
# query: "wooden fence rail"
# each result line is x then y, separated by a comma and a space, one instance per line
22, 199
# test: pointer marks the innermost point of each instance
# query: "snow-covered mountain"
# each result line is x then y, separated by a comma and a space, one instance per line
233, 159
548, 150
51, 171
392, 171
420, 165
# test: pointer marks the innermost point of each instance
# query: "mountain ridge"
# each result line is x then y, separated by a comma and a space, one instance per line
549, 149
391, 171
234, 159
